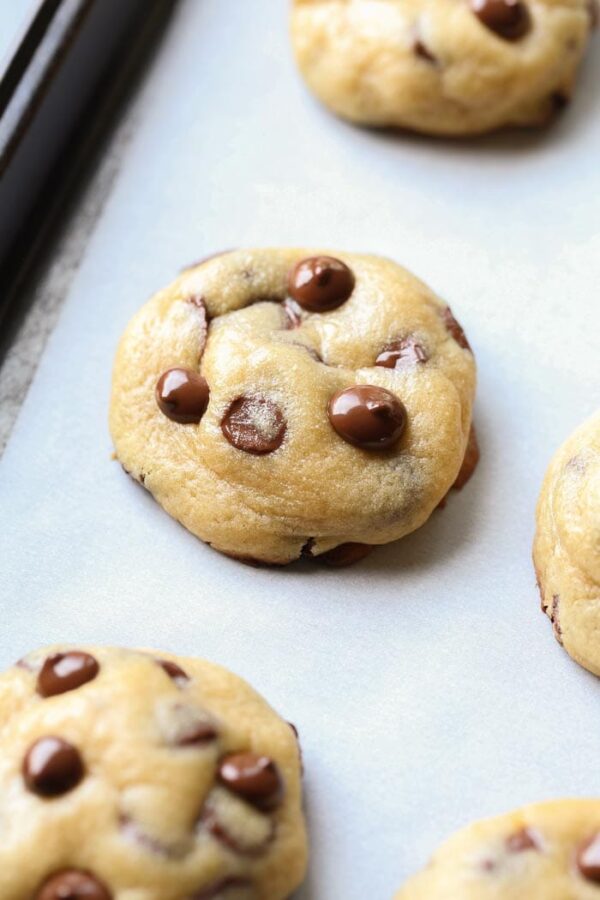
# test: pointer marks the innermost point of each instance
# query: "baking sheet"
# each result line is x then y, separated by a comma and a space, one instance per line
426, 685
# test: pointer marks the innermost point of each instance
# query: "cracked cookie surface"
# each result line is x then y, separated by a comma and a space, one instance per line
566, 549
544, 851
138, 775
445, 67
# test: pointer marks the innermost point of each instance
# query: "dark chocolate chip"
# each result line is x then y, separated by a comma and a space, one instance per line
64, 672
174, 672
454, 329
423, 52
72, 884
559, 101
509, 19
253, 777
470, 460
197, 734
254, 425
402, 353
588, 859
345, 555
521, 841
320, 283
367, 416
52, 767
182, 395
222, 888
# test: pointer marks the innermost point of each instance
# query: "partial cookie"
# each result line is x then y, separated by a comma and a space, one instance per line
566, 550
130, 775
446, 67
545, 851
282, 403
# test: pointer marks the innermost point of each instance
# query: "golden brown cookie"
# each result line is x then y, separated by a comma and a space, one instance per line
129, 774
445, 67
282, 403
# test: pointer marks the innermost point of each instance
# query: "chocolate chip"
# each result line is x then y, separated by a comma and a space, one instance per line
320, 283
253, 777
588, 859
509, 19
198, 733
63, 672
559, 101
221, 889
521, 841
453, 328
367, 416
73, 884
345, 555
423, 52
182, 395
254, 425
174, 672
555, 619
402, 353
470, 460
52, 767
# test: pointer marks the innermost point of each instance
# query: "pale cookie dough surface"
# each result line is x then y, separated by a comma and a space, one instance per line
434, 66
545, 851
311, 490
567, 544
121, 779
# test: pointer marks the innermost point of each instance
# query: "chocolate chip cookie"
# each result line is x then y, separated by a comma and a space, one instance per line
129, 774
566, 550
282, 403
546, 851
449, 67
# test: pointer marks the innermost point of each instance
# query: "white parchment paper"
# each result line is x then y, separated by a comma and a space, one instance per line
426, 685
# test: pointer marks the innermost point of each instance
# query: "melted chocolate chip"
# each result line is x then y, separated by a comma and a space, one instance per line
253, 777
367, 416
345, 555
509, 19
72, 884
52, 767
521, 841
320, 283
454, 329
402, 354
254, 425
222, 889
174, 672
588, 859
64, 672
182, 395
421, 50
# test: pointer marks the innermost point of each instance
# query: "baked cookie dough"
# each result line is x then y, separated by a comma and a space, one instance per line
282, 403
545, 851
566, 549
445, 67
129, 775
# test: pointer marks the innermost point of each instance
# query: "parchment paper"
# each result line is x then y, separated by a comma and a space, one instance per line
427, 687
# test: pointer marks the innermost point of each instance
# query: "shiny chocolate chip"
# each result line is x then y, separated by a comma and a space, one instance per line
174, 672
320, 283
367, 416
72, 884
588, 859
402, 354
509, 19
52, 767
64, 672
254, 425
521, 841
455, 329
182, 395
253, 777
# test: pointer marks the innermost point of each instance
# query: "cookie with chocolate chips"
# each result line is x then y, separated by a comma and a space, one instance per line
566, 549
295, 403
545, 851
449, 67
135, 773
